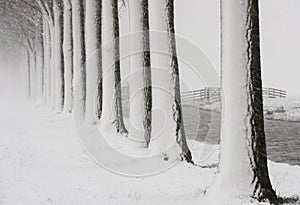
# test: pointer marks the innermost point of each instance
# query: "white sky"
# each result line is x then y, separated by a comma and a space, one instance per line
198, 21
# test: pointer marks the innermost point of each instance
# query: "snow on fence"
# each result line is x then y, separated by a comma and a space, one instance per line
214, 94
274, 93
204, 95
210, 94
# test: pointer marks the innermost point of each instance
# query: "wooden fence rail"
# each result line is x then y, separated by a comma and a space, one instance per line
213, 94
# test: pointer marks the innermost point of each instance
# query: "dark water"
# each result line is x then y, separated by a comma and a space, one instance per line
283, 138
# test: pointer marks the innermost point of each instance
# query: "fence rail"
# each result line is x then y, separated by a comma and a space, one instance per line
213, 94
274, 93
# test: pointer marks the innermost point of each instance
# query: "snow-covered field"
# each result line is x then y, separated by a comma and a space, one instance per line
274, 109
283, 109
43, 162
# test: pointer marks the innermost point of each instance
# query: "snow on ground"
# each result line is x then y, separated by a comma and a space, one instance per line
274, 109
42, 162
283, 109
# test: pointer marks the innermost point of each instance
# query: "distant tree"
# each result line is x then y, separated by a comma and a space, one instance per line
19, 29
46, 8
39, 52
59, 54
68, 56
94, 59
78, 17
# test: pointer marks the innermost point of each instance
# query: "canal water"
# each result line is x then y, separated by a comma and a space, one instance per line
283, 137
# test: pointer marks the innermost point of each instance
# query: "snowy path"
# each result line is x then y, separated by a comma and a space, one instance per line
42, 162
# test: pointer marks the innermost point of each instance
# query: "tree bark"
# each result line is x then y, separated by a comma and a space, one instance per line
112, 97
68, 56
59, 54
33, 75
79, 79
140, 69
47, 72
38, 61
27, 58
243, 145
52, 67
171, 139
94, 60
177, 107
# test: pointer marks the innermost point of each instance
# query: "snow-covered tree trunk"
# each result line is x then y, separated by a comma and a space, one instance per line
59, 54
27, 58
112, 99
45, 40
47, 72
175, 84
39, 60
29, 54
52, 67
140, 70
33, 61
167, 119
79, 79
94, 60
68, 55
243, 159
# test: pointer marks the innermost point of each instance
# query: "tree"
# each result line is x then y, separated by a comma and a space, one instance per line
59, 54
79, 58
19, 29
28, 73
243, 166
68, 55
46, 8
94, 60
166, 96
140, 69
39, 69
47, 67
112, 112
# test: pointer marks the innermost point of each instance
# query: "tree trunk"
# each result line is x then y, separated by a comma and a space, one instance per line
68, 55
94, 59
243, 162
38, 61
45, 56
168, 119
140, 73
47, 72
177, 107
59, 55
112, 99
33, 75
52, 67
27, 58
79, 59
31, 64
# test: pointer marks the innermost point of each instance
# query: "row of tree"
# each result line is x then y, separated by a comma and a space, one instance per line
72, 49
74, 65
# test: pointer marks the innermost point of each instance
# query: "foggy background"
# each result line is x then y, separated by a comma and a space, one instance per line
198, 21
